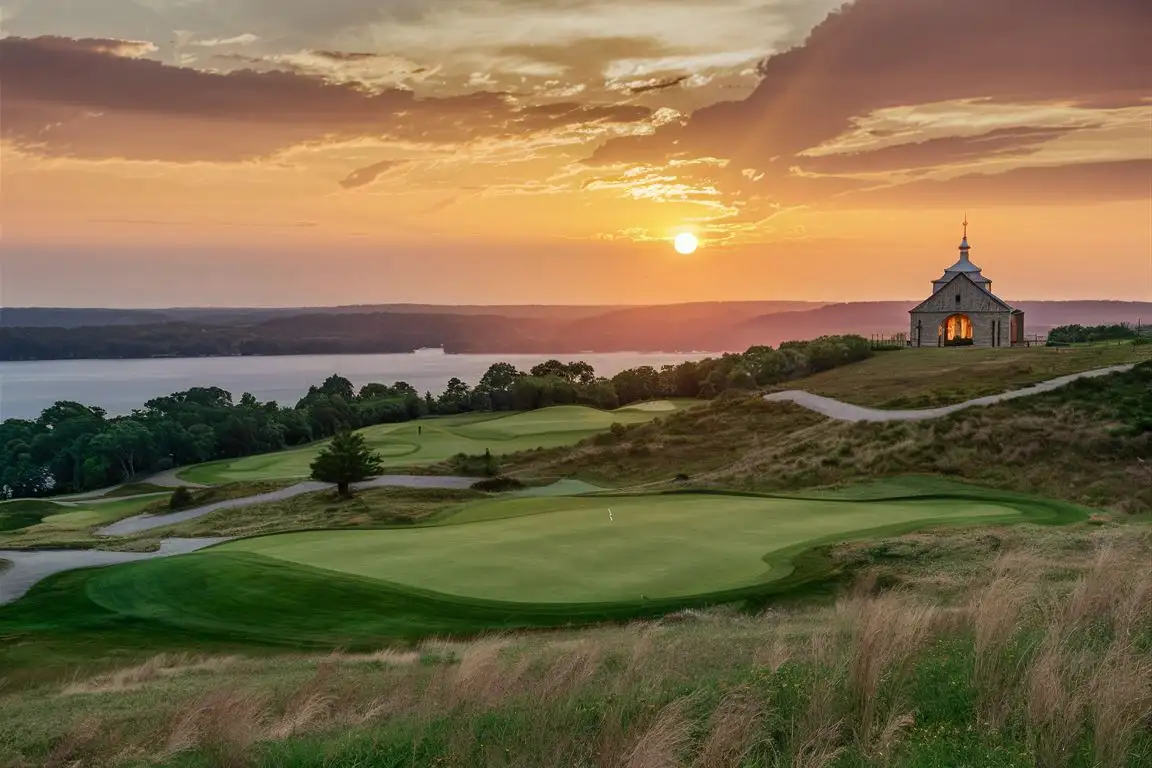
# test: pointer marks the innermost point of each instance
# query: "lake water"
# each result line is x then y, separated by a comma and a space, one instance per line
119, 386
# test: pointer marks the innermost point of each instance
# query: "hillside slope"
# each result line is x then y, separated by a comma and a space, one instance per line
1090, 442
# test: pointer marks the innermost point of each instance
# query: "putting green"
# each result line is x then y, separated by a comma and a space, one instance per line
605, 549
429, 441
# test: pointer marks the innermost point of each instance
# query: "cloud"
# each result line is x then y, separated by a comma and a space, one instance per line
77, 98
655, 84
876, 55
217, 42
365, 176
945, 150
1082, 183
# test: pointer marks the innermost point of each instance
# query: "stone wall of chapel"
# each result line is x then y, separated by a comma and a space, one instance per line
985, 331
972, 299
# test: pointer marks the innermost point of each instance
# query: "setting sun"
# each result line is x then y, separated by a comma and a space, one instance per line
686, 243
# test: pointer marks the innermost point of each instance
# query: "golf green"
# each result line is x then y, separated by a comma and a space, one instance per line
606, 549
433, 440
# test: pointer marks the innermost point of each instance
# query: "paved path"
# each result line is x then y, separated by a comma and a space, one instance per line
141, 523
835, 409
31, 567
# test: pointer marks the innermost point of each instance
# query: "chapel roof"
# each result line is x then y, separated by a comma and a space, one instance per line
964, 265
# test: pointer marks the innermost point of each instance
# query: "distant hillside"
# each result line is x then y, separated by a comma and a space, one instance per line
62, 317
712, 327
52, 317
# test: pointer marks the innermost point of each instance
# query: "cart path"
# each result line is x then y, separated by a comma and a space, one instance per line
28, 568
837, 409
141, 523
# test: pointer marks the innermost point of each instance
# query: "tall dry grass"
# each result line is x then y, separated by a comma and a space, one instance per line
732, 730
996, 613
887, 632
663, 742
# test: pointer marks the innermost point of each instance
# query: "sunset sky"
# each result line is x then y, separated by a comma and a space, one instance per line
294, 152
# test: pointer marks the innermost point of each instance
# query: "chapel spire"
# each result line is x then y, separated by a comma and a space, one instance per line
964, 247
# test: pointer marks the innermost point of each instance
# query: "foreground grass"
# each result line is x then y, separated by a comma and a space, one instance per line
1088, 442
921, 378
1004, 647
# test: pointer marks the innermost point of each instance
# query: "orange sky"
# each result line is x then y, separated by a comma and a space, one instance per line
284, 152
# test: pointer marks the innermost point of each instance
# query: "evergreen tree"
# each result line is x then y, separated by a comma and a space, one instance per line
346, 460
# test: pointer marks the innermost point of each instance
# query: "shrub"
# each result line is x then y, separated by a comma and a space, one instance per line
181, 498
498, 484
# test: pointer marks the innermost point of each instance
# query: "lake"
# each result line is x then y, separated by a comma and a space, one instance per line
118, 386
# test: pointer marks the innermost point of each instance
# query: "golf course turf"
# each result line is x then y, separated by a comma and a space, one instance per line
429, 441
502, 564
604, 549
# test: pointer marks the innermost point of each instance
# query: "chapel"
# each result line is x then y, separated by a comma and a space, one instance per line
963, 311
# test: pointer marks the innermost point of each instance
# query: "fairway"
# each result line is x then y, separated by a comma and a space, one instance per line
605, 549
429, 441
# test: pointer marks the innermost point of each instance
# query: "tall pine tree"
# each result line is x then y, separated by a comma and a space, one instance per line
346, 460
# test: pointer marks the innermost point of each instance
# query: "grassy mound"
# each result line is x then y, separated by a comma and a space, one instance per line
23, 513
431, 441
28, 519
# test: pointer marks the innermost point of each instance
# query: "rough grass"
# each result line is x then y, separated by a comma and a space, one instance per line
921, 378
366, 509
1088, 442
689, 442
135, 489
895, 671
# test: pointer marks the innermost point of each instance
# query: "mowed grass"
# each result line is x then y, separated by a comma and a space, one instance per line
597, 549
921, 378
430, 441
505, 565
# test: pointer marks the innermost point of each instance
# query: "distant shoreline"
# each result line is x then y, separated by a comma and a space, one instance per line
541, 355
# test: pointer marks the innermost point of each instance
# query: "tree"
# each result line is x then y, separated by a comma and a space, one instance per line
499, 377
346, 460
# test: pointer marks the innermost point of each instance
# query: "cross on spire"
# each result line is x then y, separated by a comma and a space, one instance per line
965, 226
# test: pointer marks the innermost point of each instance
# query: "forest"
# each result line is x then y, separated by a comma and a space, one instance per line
74, 447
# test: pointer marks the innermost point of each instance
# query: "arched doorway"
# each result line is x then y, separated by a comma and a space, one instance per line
956, 331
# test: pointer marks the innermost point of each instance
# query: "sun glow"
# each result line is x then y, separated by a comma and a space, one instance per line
686, 243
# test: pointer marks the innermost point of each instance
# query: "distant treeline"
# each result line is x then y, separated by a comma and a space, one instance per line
1078, 334
73, 447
